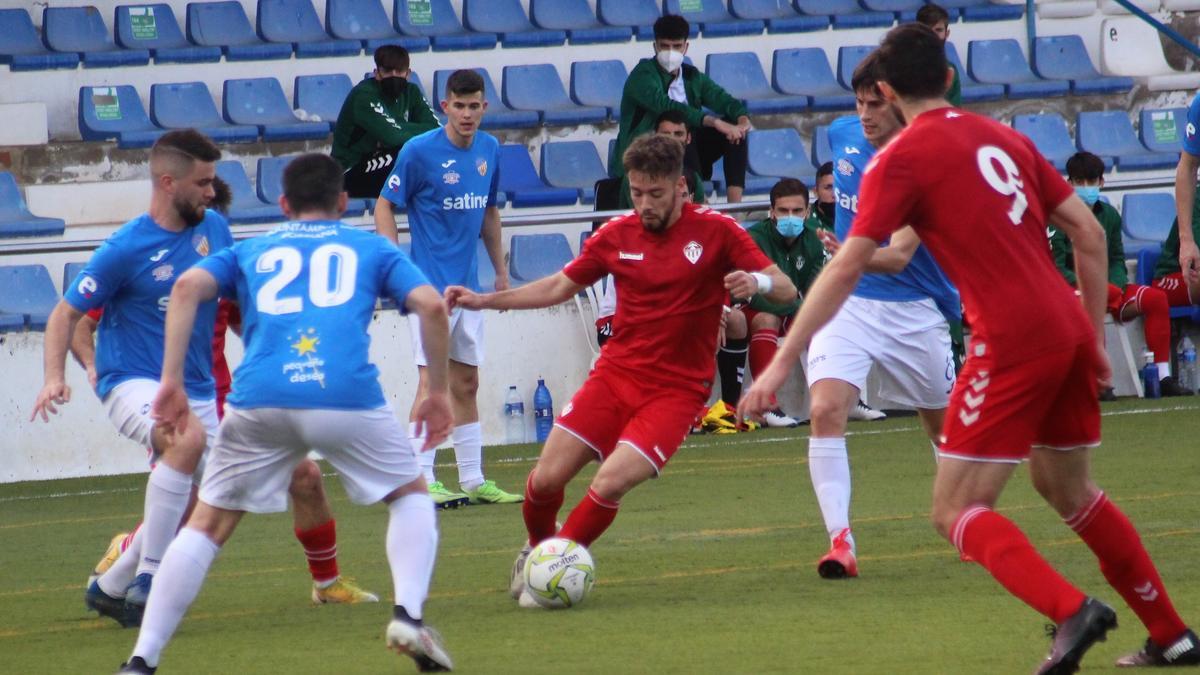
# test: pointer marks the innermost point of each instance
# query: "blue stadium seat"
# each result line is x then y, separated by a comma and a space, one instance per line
441, 26
270, 184
599, 83
821, 150
296, 22
742, 76
225, 25
1063, 57
805, 72
82, 30
107, 113
894, 6
367, 22
487, 273
189, 105
535, 256
508, 19
537, 87
245, 207
848, 60
71, 273
27, 291
573, 164
15, 218
983, 10
154, 27
845, 13
778, 14
972, 91
520, 181
576, 18
1146, 220
1163, 130
260, 101
1001, 62
1048, 131
499, 115
21, 46
322, 95
713, 17
639, 15
1110, 134
778, 153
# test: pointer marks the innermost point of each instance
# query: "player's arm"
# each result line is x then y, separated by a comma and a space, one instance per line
1076, 220
192, 288
433, 415
1185, 195
385, 220
59, 328
494, 243
546, 292
893, 258
83, 346
770, 283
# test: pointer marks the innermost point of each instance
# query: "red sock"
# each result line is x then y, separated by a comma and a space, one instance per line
589, 519
996, 543
1156, 322
1127, 567
320, 547
129, 538
764, 342
540, 511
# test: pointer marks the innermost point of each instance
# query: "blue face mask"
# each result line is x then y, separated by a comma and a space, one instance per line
1090, 194
789, 226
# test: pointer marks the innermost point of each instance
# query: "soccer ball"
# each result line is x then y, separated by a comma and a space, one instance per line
559, 573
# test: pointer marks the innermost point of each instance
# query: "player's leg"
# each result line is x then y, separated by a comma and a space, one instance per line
443, 498
830, 401
1179, 293
731, 367
1154, 307
316, 531
624, 469
765, 329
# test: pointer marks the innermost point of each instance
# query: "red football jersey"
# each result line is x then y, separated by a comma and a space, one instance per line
979, 195
670, 291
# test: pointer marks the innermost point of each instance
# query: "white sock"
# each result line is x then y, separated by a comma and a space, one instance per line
424, 459
412, 539
175, 587
124, 569
1164, 369
167, 494
829, 467
468, 451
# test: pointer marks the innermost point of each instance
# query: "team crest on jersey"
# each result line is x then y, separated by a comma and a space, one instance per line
844, 167
481, 166
163, 272
308, 366
693, 251
451, 177
200, 243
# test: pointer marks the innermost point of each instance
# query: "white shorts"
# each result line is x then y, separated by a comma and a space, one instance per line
250, 467
128, 407
466, 337
909, 342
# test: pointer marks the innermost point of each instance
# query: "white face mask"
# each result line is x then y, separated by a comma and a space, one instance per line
670, 60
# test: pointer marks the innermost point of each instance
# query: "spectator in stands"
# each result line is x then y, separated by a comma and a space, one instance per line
378, 117
1126, 301
673, 123
667, 83
821, 216
1178, 269
938, 20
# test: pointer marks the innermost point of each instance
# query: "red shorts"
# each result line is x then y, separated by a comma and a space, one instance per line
1176, 289
610, 409
997, 413
750, 313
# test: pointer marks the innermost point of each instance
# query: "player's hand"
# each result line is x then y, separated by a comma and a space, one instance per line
1103, 367
741, 285
434, 420
460, 296
829, 240
1189, 262
724, 322
93, 378
732, 133
758, 399
171, 407
54, 392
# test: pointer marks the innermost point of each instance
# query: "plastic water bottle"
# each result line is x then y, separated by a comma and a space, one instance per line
1150, 377
1187, 364
514, 417
543, 411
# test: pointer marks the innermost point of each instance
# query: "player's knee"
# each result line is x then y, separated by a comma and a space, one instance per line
826, 415
612, 488
765, 321
942, 516
1066, 497
306, 481
1154, 301
465, 385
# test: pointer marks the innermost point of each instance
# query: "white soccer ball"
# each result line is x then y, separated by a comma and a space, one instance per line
559, 573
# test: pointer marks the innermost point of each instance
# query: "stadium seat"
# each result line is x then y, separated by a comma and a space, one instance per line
599, 84
821, 151
1110, 134
537, 87
1065, 9
107, 113
984, 10
848, 60
845, 13
576, 18
296, 22
1147, 219
225, 25
1063, 57
1001, 62
639, 15
1110, 7
189, 105
21, 46
1132, 47
15, 218
322, 95
154, 27
1163, 130
713, 18
508, 19
246, 207
498, 115
520, 181
741, 75
71, 273
27, 291
1048, 131
534, 256
440, 24
805, 72
260, 101
972, 91
779, 16
367, 22
573, 164
895, 6
82, 30
270, 184
778, 153
487, 273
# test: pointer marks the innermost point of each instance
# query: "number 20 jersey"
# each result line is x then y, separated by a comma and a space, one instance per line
979, 195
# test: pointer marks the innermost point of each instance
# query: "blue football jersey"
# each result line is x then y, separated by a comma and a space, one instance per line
446, 191
1191, 142
131, 276
307, 292
921, 278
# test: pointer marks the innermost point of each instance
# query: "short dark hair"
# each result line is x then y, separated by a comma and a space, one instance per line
1085, 166
179, 149
788, 187
671, 27
912, 60
222, 195
826, 169
672, 115
464, 83
391, 57
312, 182
867, 74
931, 15
655, 155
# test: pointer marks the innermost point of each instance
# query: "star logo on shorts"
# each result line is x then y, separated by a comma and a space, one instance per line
693, 251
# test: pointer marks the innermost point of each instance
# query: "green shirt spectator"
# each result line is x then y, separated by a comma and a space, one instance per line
1168, 260
800, 257
1064, 257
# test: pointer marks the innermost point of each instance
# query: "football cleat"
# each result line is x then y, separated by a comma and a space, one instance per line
1108, 395
341, 592
135, 599
526, 601
1073, 637
421, 643
840, 562
487, 493
1183, 652
777, 420
110, 556
106, 605
719, 419
445, 499
516, 579
136, 665
863, 412
1169, 386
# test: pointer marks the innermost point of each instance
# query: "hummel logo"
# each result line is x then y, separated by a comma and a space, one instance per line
968, 419
622, 255
446, 164
1146, 592
1179, 648
159, 256
379, 163
851, 150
